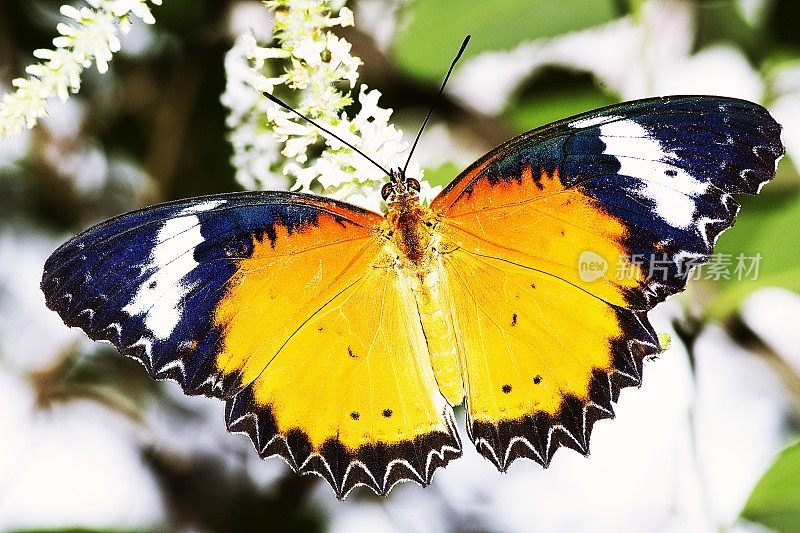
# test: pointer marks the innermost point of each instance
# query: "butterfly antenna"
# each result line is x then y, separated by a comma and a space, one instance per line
435, 100
287, 107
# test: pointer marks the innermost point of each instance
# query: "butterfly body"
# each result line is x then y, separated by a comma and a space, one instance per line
417, 245
340, 338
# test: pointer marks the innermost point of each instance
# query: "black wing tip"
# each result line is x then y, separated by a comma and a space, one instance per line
539, 435
211, 383
378, 466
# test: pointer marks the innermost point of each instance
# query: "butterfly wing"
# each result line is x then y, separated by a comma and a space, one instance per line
281, 304
540, 243
367, 411
542, 360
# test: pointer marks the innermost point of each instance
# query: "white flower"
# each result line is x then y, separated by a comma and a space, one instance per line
91, 37
255, 149
314, 63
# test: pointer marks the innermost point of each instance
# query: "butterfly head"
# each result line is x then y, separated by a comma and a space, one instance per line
400, 189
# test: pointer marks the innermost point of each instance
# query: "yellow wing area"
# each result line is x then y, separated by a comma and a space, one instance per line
324, 337
541, 359
544, 346
288, 277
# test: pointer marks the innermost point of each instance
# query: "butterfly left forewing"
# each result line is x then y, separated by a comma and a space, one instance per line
155, 282
568, 219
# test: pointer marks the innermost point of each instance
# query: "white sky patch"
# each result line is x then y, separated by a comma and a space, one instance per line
71, 465
172, 259
641, 156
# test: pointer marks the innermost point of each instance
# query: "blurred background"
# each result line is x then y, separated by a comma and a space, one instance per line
88, 442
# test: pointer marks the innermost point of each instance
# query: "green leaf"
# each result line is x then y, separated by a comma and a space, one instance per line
435, 29
442, 175
767, 225
775, 501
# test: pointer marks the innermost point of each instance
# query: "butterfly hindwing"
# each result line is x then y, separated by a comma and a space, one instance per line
356, 377
283, 305
543, 359
541, 239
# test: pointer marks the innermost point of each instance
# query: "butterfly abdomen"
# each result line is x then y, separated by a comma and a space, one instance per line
440, 337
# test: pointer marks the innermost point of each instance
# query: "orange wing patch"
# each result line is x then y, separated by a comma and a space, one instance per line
536, 222
287, 278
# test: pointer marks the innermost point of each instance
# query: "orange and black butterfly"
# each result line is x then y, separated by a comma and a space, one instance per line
340, 338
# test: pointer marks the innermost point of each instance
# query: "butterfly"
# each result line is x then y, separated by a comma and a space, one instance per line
340, 338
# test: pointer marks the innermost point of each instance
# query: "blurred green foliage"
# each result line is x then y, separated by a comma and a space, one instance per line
775, 501
436, 27
442, 175
554, 94
767, 225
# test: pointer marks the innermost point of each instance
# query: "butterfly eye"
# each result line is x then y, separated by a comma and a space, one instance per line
412, 184
386, 190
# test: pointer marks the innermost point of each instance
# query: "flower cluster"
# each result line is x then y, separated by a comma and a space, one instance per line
90, 37
272, 145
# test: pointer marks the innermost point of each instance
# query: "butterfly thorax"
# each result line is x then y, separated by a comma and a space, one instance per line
411, 235
410, 224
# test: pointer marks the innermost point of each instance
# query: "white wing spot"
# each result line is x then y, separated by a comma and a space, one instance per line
641, 156
171, 260
593, 121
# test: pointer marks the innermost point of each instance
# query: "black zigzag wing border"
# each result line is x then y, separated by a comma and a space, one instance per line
538, 435
379, 466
